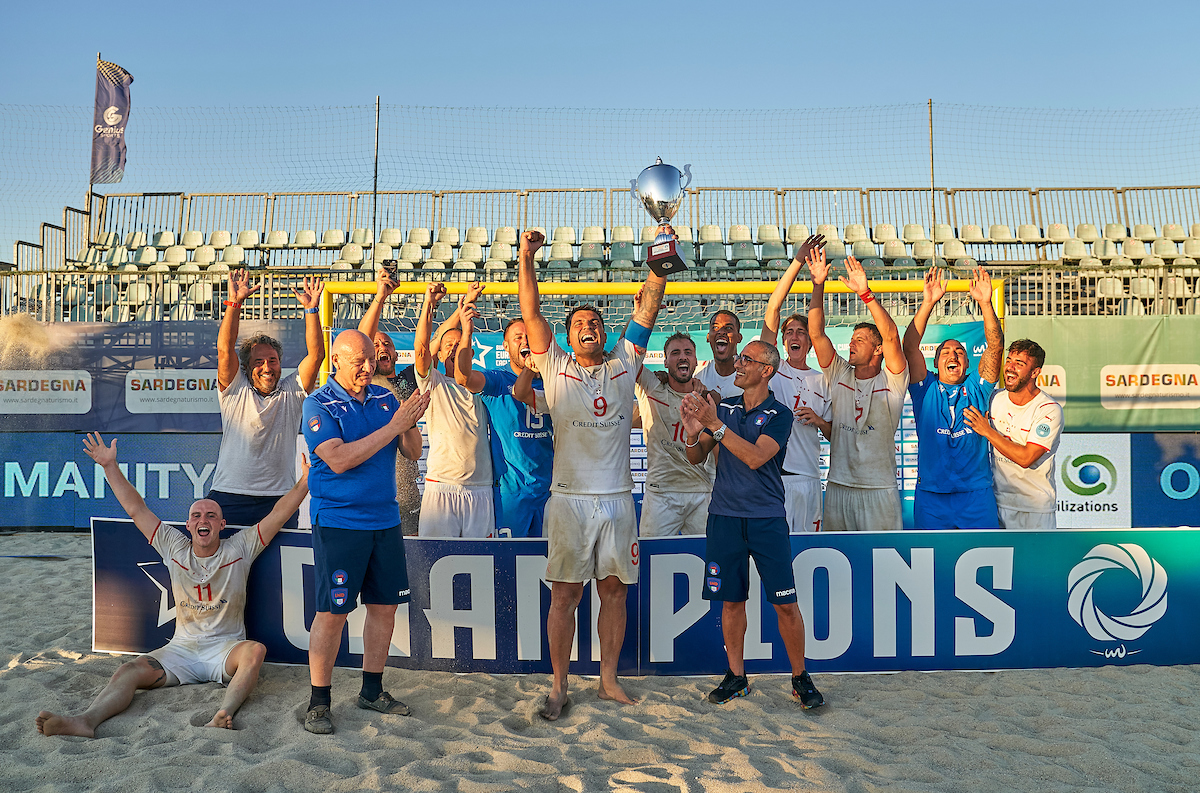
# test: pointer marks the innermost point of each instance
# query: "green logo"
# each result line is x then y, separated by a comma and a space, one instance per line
1084, 475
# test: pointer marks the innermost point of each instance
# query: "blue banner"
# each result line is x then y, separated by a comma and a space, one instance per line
109, 122
872, 602
1166, 479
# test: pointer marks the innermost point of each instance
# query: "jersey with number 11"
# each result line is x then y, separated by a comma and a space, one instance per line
592, 410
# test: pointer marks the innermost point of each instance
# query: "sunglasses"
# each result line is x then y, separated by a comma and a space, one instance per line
745, 359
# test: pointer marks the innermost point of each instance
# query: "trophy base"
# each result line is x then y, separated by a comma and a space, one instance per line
663, 258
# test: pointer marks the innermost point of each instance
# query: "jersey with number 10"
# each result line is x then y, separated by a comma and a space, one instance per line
592, 408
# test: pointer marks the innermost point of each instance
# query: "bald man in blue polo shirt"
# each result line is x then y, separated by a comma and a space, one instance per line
353, 430
746, 516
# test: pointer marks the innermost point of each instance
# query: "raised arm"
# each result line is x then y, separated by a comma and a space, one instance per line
893, 353
422, 357
537, 329
818, 269
286, 506
385, 285
227, 358
314, 335
523, 389
783, 287
990, 361
131, 501
935, 290
465, 373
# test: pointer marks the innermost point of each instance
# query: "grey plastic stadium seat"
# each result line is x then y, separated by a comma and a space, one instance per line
564, 234
159, 267
420, 236
1174, 232
739, 233
894, 249
773, 249
712, 251
478, 235
220, 239
117, 255
305, 239
743, 250
191, 240
135, 239
884, 233
109, 239
176, 254
923, 250
593, 234
1104, 249
1074, 250
862, 249
1056, 233
830, 232
1164, 248
768, 233
332, 239
363, 237
905, 261
682, 233
1087, 232
1191, 247
233, 254
561, 251
449, 235
410, 252
249, 239
943, 232
914, 232
952, 249
1115, 232
856, 232
392, 237
971, 233
623, 234
500, 252
797, 233
441, 252
351, 254
649, 233
623, 250
163, 239
495, 271
217, 268
146, 254
506, 235
710, 233
1090, 263
591, 251
471, 252
1134, 249
1000, 234
834, 249
1144, 232
276, 240
1029, 233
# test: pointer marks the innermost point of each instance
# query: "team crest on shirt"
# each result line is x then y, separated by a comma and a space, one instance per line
761, 420
714, 568
384, 405
314, 423
1043, 430
339, 596
340, 578
714, 584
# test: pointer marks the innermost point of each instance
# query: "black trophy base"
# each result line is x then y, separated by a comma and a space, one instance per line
663, 259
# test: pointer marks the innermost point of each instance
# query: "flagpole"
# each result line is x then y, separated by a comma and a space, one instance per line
375, 188
87, 201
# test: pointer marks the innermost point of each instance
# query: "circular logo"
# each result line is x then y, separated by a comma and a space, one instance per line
340, 577
1083, 576
111, 116
1088, 474
1042, 430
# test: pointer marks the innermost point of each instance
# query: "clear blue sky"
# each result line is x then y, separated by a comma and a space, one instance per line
615, 54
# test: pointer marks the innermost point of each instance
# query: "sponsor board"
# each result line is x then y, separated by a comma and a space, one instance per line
872, 602
1150, 386
1166, 479
1092, 481
171, 391
45, 391
1053, 380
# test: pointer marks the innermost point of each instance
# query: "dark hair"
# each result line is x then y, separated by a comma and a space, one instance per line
679, 336
252, 342
937, 353
736, 319
772, 354
585, 307
508, 324
802, 318
1030, 348
874, 331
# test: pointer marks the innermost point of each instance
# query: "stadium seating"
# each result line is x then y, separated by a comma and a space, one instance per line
332, 240
506, 235
449, 235
797, 233
884, 233
191, 240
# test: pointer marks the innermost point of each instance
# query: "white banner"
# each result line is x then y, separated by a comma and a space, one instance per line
171, 391
32, 391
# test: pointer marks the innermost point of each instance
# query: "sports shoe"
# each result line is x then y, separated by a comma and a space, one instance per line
385, 704
317, 720
732, 686
804, 690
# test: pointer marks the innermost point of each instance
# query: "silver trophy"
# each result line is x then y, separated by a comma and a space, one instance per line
661, 189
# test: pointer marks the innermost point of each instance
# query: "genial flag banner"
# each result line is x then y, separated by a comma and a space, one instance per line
108, 124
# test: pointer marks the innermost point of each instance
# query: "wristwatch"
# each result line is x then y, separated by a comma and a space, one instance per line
720, 433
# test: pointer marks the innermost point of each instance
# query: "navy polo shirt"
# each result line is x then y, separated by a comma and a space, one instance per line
363, 497
738, 491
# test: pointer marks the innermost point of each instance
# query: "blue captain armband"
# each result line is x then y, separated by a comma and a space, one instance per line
638, 334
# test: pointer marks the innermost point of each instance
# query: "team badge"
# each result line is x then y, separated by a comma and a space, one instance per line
340, 578
714, 568
714, 584
1043, 430
761, 420
384, 405
314, 423
339, 596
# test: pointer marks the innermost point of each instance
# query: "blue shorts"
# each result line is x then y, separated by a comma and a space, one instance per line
520, 514
350, 562
242, 510
974, 509
731, 542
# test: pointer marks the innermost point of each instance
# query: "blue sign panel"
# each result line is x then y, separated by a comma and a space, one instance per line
1166, 479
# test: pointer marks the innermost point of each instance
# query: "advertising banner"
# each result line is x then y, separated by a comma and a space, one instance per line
872, 602
1166, 479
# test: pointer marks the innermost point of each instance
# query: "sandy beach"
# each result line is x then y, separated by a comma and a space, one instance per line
1127, 729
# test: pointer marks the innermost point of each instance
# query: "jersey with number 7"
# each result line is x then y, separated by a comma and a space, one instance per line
592, 411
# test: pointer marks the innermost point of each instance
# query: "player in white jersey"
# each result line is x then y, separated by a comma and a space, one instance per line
1026, 426
458, 477
675, 500
208, 582
589, 519
804, 391
866, 392
724, 336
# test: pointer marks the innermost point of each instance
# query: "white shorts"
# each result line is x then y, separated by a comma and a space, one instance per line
195, 661
1037, 521
591, 537
666, 514
456, 511
802, 500
862, 509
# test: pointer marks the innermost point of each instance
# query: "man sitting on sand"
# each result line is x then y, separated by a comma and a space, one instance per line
208, 581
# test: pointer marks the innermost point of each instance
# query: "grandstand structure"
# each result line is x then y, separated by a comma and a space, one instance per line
151, 256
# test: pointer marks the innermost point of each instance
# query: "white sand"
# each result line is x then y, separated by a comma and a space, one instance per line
1127, 729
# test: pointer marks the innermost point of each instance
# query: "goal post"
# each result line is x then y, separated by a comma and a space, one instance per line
686, 303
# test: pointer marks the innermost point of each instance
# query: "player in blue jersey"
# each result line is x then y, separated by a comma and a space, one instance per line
954, 474
522, 439
354, 430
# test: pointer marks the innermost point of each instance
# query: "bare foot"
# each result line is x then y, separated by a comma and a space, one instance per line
52, 724
614, 692
555, 703
222, 719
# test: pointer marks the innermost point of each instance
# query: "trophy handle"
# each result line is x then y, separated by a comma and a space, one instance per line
633, 190
687, 171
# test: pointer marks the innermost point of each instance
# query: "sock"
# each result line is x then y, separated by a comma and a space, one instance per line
320, 696
372, 685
